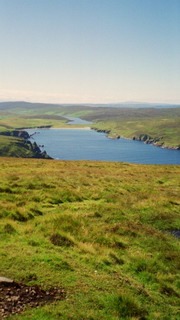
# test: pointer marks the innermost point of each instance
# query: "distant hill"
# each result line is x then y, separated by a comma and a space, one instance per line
22, 104
25, 104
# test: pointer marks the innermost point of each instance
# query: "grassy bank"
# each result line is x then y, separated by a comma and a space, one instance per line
163, 124
11, 146
99, 230
14, 147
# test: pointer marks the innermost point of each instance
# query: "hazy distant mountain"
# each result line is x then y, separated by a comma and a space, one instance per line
22, 104
25, 104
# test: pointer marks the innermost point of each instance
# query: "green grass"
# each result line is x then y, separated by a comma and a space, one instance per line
100, 230
14, 147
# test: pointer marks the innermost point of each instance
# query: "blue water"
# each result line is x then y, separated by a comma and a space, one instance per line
73, 120
79, 144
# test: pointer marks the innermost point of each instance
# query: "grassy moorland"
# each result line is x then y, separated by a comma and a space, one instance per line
163, 124
99, 230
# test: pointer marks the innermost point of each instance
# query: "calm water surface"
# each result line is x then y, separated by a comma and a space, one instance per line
79, 144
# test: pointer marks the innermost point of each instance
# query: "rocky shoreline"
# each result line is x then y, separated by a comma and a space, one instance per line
157, 141
145, 138
32, 150
115, 136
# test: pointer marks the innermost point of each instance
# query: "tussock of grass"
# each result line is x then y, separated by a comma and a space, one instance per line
9, 229
92, 229
129, 307
61, 239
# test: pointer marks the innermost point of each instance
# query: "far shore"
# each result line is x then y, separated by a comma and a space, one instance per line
73, 128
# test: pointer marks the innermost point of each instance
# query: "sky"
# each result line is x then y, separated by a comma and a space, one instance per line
90, 51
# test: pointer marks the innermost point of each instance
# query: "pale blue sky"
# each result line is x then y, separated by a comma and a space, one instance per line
90, 50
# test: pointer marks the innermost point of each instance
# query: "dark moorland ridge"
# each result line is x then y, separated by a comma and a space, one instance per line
25, 104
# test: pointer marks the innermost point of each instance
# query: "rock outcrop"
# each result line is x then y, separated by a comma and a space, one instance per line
36, 150
157, 141
108, 133
148, 139
102, 130
16, 133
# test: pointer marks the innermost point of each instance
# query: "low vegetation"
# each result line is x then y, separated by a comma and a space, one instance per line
102, 231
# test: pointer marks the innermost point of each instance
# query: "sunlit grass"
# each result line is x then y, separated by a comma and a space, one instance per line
100, 230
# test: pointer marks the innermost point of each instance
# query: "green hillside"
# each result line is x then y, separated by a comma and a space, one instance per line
101, 231
11, 146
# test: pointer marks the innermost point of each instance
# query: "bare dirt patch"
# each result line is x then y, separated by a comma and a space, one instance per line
16, 297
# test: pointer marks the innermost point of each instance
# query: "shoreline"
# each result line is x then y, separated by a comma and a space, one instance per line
153, 142
73, 128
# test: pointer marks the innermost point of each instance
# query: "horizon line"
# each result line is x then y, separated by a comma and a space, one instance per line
90, 103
